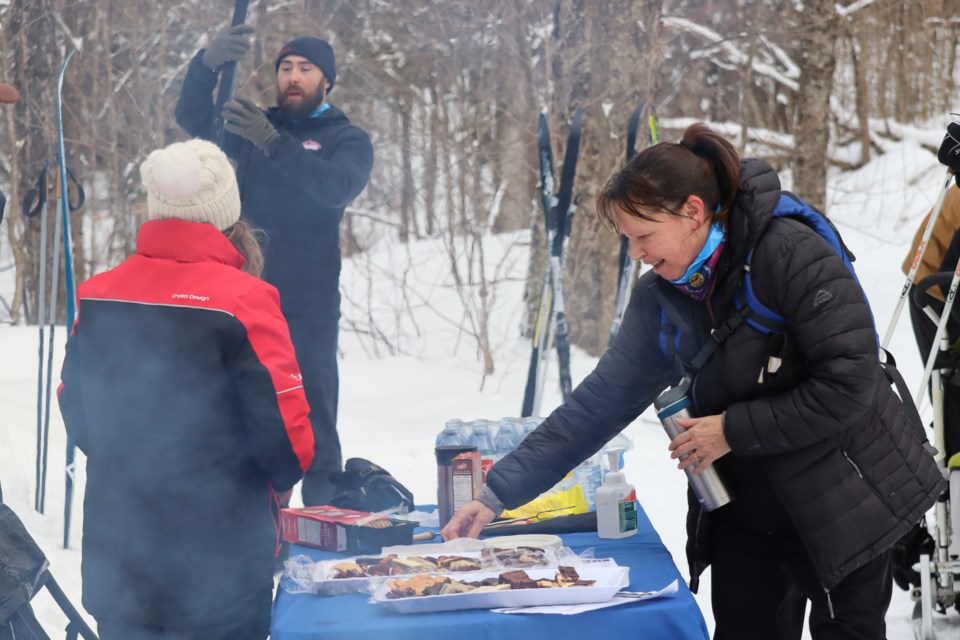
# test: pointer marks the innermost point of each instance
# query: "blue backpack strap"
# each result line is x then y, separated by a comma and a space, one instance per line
761, 317
669, 335
792, 206
672, 325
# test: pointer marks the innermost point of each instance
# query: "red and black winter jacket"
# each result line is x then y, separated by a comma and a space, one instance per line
181, 386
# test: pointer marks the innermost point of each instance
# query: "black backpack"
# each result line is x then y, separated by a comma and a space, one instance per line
365, 486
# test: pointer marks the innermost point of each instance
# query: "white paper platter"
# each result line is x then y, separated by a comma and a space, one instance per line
460, 545
541, 540
339, 586
609, 580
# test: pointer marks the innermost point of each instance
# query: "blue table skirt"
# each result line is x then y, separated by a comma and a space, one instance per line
352, 617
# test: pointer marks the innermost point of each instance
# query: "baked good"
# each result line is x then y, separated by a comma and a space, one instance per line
422, 585
457, 563
427, 585
347, 570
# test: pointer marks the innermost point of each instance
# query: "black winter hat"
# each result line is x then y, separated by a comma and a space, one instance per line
316, 50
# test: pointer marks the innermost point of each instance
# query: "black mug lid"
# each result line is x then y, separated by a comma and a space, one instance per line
446, 453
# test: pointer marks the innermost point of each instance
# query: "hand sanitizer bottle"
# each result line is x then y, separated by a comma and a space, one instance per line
616, 503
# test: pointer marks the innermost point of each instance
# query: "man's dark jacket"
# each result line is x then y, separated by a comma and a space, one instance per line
296, 192
824, 441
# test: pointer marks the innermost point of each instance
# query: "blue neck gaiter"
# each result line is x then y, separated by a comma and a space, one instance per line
714, 238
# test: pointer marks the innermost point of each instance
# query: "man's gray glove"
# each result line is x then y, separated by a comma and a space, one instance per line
229, 45
244, 118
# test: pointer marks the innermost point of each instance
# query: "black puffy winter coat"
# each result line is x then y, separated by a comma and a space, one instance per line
824, 441
296, 193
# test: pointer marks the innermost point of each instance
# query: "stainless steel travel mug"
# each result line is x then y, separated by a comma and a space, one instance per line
708, 485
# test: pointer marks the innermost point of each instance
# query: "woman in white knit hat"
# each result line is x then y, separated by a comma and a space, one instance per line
181, 386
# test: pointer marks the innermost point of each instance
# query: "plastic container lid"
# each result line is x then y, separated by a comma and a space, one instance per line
446, 453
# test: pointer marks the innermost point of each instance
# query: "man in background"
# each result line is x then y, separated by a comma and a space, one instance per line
299, 165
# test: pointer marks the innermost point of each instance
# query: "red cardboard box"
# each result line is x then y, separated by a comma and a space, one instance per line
336, 529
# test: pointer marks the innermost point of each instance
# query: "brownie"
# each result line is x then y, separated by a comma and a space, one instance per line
524, 584
568, 573
514, 577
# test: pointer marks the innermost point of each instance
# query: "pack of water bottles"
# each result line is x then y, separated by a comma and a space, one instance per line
496, 438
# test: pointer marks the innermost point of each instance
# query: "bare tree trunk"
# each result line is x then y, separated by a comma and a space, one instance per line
818, 61
431, 167
407, 213
516, 137
600, 46
862, 91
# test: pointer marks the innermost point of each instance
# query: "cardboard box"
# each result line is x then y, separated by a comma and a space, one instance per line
336, 529
466, 472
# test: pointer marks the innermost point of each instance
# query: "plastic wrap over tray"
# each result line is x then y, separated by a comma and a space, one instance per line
608, 581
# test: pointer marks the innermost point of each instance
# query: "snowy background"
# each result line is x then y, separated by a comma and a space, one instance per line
398, 389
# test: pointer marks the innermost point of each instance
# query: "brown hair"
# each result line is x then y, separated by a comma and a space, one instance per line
663, 176
246, 239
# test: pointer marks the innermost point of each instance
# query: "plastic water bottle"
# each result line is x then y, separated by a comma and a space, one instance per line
482, 437
530, 424
452, 434
589, 476
508, 437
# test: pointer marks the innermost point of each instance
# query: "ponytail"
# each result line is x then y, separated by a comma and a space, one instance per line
662, 177
246, 239
704, 142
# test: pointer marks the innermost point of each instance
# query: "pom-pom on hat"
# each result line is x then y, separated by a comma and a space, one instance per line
316, 50
191, 181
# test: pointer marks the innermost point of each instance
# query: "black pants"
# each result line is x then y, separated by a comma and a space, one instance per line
761, 584
315, 342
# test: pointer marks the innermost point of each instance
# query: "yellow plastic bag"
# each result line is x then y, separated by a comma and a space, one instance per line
550, 505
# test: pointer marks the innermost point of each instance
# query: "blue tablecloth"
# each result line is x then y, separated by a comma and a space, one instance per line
352, 617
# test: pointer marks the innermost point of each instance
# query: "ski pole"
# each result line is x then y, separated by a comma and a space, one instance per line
626, 263
52, 321
228, 76
628, 266
63, 202
564, 210
542, 331
914, 267
39, 193
940, 333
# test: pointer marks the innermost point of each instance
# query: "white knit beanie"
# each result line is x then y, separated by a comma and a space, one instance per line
192, 181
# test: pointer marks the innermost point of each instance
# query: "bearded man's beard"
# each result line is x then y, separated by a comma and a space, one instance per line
308, 103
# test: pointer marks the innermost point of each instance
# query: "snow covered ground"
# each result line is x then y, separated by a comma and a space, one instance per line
397, 391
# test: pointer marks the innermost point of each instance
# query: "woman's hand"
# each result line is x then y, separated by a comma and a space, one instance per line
703, 439
468, 522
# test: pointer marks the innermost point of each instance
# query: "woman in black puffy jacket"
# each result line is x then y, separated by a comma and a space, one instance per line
826, 468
